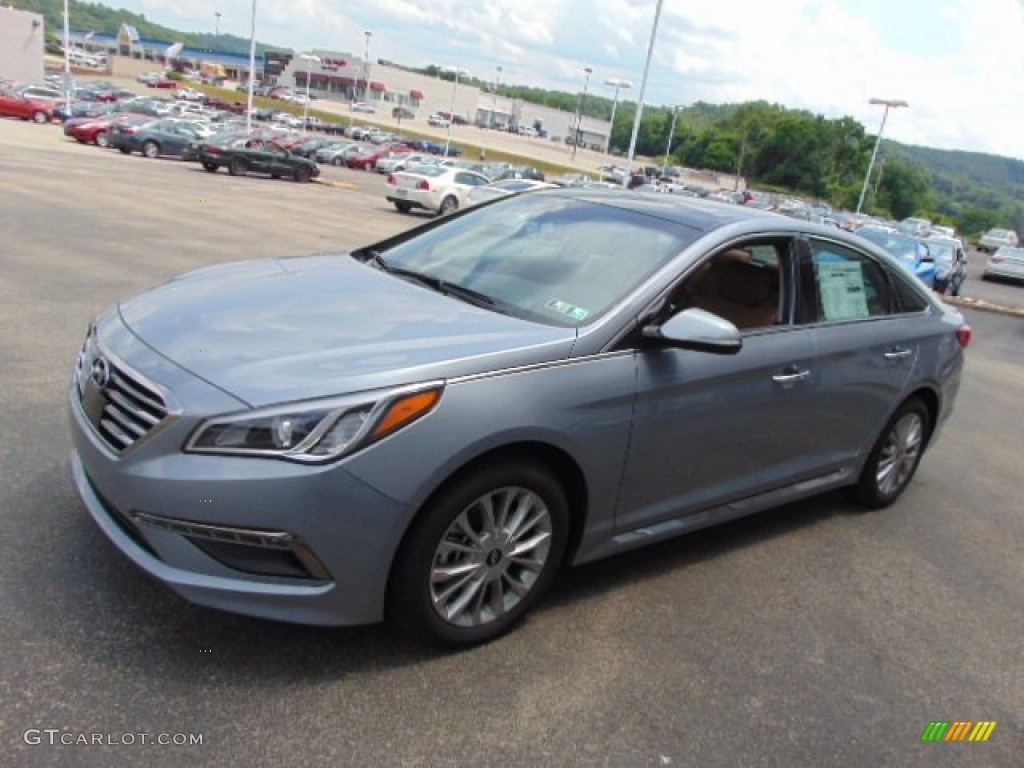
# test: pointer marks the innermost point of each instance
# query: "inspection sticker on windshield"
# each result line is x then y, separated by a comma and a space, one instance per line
569, 310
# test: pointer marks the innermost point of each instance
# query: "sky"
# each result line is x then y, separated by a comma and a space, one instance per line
958, 63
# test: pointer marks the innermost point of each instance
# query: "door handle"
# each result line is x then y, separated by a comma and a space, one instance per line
791, 376
897, 354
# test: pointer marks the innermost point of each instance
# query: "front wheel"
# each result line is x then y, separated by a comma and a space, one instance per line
124, 150
210, 167
151, 149
39, 117
895, 457
102, 140
302, 174
237, 167
480, 555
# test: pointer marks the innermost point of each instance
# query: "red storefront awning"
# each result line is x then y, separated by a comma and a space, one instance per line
375, 86
417, 95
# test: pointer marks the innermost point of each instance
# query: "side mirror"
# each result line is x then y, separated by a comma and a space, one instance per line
698, 330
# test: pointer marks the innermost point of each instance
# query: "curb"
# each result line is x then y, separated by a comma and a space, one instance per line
337, 184
985, 306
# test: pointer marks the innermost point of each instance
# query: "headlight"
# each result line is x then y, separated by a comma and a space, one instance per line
314, 431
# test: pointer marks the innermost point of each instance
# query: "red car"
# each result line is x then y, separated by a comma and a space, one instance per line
369, 161
95, 130
15, 105
164, 82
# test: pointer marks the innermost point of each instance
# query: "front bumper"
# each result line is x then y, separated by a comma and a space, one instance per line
274, 539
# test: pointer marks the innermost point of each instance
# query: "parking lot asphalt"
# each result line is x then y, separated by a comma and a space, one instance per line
811, 635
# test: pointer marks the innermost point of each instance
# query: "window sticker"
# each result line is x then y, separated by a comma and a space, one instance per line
841, 285
569, 310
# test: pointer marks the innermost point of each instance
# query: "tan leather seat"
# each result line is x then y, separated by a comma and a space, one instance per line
731, 287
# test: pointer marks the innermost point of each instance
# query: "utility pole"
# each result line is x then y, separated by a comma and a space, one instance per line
579, 111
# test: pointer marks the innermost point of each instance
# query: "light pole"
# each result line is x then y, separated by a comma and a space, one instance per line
579, 111
451, 115
366, 65
309, 58
67, 59
617, 84
494, 98
216, 28
671, 135
643, 90
252, 67
887, 103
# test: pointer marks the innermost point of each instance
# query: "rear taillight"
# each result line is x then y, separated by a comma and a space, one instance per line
391, 179
963, 335
211, 150
129, 130
424, 185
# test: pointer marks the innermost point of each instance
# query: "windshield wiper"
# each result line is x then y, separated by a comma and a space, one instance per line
434, 283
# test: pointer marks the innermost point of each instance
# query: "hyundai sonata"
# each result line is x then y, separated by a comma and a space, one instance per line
427, 428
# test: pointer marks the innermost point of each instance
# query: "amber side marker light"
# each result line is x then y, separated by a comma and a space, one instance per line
405, 410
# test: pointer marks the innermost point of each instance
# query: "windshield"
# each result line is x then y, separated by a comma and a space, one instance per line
543, 257
940, 251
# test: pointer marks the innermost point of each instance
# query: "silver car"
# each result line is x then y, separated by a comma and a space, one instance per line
427, 428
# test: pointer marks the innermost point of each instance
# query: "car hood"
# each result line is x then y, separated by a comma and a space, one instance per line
287, 329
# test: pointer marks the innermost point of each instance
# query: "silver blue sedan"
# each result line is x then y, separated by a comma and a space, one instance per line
427, 428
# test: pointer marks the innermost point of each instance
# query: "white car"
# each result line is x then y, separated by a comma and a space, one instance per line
995, 239
400, 161
439, 121
362, 106
1006, 263
505, 188
190, 94
440, 189
149, 78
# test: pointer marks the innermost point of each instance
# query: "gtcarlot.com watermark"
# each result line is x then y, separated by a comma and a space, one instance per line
57, 736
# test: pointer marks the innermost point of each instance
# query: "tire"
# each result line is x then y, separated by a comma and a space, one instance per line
402, 206
448, 205
40, 117
337, 161
210, 167
237, 167
302, 174
102, 140
894, 459
125, 150
480, 554
151, 150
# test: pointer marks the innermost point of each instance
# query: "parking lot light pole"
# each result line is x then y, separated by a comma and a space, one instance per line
309, 58
643, 90
494, 98
887, 103
67, 59
617, 84
252, 67
671, 135
579, 110
366, 65
451, 115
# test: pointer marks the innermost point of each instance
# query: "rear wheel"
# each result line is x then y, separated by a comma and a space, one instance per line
102, 140
210, 167
449, 205
237, 167
125, 150
151, 149
39, 117
894, 459
480, 555
337, 161
403, 207
302, 174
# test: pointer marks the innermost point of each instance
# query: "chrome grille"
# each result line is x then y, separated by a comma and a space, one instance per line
119, 405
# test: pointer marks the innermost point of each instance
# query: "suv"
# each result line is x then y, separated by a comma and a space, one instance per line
402, 113
994, 239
